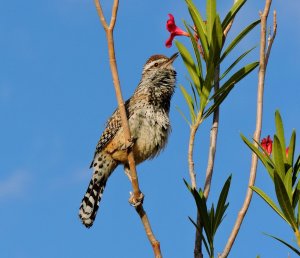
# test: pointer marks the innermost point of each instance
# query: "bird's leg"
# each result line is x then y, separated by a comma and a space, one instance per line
132, 199
127, 172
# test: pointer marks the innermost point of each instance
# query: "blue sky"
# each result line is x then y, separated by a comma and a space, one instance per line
56, 94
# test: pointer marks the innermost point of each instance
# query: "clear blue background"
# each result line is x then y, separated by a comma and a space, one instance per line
56, 94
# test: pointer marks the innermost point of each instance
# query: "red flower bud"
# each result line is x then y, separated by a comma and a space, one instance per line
266, 144
174, 31
287, 152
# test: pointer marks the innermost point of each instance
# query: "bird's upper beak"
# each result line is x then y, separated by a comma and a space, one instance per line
171, 60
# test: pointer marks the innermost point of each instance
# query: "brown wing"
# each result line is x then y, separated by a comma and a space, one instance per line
112, 127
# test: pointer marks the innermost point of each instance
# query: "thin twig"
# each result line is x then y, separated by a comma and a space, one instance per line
272, 37
256, 137
137, 197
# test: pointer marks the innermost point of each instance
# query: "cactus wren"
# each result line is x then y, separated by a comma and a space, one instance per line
148, 116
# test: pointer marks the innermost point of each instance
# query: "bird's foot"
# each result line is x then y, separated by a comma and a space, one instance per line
136, 201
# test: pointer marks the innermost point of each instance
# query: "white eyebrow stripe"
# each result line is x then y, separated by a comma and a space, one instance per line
147, 66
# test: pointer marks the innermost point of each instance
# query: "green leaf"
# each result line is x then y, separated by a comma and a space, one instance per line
269, 201
190, 103
297, 165
235, 78
222, 93
197, 53
189, 63
264, 157
202, 237
288, 183
278, 157
194, 95
211, 12
212, 219
280, 130
217, 40
221, 206
238, 39
202, 209
284, 201
200, 27
183, 115
291, 152
297, 251
236, 62
298, 217
296, 195
233, 11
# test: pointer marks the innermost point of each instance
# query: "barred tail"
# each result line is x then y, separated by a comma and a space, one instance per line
103, 165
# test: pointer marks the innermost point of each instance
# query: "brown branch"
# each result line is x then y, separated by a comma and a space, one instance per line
193, 130
256, 137
137, 197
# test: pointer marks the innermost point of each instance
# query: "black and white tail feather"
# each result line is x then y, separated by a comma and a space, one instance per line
103, 166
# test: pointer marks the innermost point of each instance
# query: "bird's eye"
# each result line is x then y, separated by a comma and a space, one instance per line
156, 64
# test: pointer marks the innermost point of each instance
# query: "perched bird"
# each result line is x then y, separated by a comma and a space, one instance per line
148, 116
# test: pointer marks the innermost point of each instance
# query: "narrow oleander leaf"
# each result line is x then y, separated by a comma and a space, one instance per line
264, 157
297, 251
298, 215
189, 63
238, 39
189, 100
223, 92
280, 130
212, 219
278, 157
233, 11
211, 12
187, 185
200, 27
194, 96
270, 202
207, 85
217, 40
196, 51
284, 201
202, 237
297, 165
296, 195
291, 151
288, 184
183, 115
236, 62
235, 78
202, 209
222, 206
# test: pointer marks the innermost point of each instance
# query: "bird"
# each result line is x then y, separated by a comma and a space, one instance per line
148, 117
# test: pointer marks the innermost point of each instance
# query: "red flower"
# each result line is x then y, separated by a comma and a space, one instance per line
266, 144
287, 152
174, 30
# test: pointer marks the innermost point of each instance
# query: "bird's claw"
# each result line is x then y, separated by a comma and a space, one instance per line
136, 201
